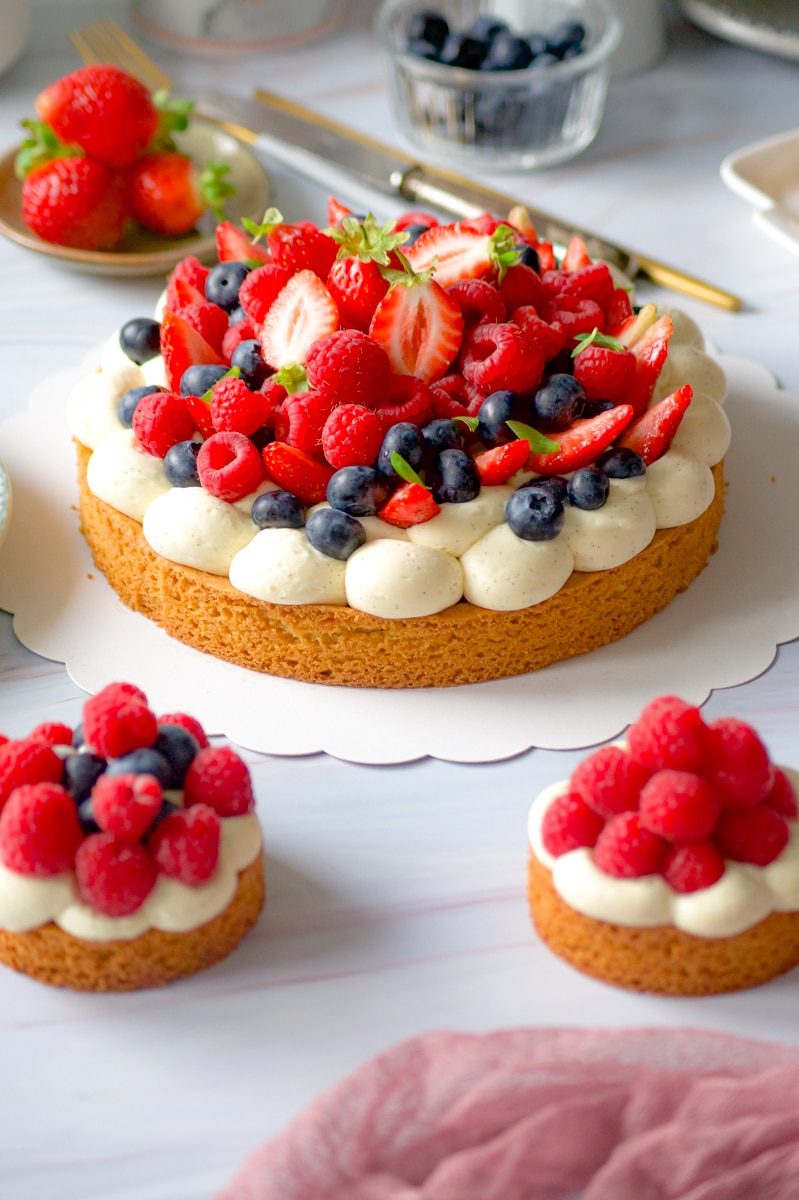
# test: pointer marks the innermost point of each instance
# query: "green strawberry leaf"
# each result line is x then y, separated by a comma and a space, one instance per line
215, 189
293, 377
406, 471
595, 338
502, 249
270, 220
174, 119
537, 442
39, 147
366, 239
407, 277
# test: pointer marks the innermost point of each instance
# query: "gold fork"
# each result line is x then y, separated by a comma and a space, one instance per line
105, 42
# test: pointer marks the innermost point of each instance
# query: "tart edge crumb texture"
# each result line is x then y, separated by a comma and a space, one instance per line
55, 957
663, 960
340, 646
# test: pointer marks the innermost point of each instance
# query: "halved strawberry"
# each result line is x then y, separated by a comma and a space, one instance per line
209, 320
200, 410
501, 462
336, 211
260, 289
582, 442
181, 293
233, 245
182, 346
415, 217
303, 312
546, 256
297, 472
650, 353
633, 327
419, 326
457, 252
411, 504
652, 433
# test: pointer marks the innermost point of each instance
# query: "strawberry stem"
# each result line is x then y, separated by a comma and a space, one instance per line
270, 220
40, 147
215, 189
366, 239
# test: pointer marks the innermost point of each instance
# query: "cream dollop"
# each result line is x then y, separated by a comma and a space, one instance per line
505, 573
680, 488
704, 431
188, 526
400, 579
605, 537
282, 567
459, 526
687, 364
123, 475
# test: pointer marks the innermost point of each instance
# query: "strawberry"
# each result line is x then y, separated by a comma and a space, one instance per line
180, 294
455, 252
419, 326
181, 346
501, 462
336, 211
303, 312
546, 256
618, 312
209, 320
234, 246
260, 289
297, 472
357, 288
576, 256
603, 367
191, 272
411, 504
650, 353
582, 442
415, 217
169, 194
102, 109
651, 434
633, 327
75, 202
301, 247
201, 415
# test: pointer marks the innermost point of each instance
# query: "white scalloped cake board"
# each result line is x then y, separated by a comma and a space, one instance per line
722, 632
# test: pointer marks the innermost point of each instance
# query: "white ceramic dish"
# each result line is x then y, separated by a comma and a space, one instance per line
771, 26
766, 175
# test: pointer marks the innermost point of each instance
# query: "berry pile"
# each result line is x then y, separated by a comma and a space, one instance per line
489, 44
392, 368
101, 156
101, 800
683, 797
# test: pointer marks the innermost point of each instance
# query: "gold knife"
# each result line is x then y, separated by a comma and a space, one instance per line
322, 149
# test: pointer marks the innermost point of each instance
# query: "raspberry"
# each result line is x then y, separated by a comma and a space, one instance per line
190, 724
668, 734
185, 845
260, 290
782, 797
39, 830
755, 835
52, 733
240, 331
192, 270
737, 763
407, 399
627, 850
522, 285
574, 316
350, 366
501, 356
235, 408
679, 806
593, 282
114, 876
220, 779
27, 761
549, 339
126, 805
209, 320
609, 781
569, 824
229, 466
352, 436
301, 419
116, 721
480, 303
160, 421
689, 868
454, 396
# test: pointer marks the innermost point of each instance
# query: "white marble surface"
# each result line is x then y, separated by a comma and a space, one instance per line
396, 894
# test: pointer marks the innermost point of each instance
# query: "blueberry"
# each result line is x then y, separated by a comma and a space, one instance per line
460, 50
541, 61
621, 463
414, 232
588, 488
534, 515
142, 762
528, 256
568, 36
237, 315
250, 361
140, 339
404, 439
199, 377
458, 480
262, 437
420, 48
427, 26
499, 119
486, 28
81, 772
180, 464
334, 533
86, 817
507, 53
127, 404
555, 485
593, 408
359, 491
443, 433
223, 282
496, 410
278, 510
179, 749
559, 402
77, 735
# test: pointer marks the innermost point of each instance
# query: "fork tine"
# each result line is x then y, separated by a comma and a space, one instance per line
104, 41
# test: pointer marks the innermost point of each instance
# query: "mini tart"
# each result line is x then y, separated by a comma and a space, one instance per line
341, 646
664, 959
55, 957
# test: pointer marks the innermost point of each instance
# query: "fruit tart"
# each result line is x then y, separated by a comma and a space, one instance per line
400, 455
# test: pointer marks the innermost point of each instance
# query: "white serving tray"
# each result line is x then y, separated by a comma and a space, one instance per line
766, 175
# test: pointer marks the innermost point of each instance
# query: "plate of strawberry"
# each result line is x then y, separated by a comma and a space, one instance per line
114, 180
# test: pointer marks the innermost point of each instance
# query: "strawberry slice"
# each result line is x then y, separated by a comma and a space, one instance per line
181, 293
650, 354
303, 312
632, 328
546, 256
582, 442
297, 472
651, 434
411, 504
232, 245
182, 346
576, 256
498, 464
456, 252
336, 211
419, 326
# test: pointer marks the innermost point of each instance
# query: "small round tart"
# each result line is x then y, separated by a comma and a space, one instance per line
670, 863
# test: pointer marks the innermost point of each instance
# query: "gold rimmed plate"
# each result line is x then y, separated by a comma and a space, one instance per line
143, 253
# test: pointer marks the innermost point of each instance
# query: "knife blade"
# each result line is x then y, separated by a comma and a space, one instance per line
330, 153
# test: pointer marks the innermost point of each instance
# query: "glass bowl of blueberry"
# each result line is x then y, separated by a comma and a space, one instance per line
512, 84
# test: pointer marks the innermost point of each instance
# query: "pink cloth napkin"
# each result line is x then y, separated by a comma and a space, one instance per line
536, 1114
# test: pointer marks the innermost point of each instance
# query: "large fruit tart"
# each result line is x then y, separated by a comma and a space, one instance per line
403, 455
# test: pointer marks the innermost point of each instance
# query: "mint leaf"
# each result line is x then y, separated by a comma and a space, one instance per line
405, 470
537, 442
471, 423
595, 338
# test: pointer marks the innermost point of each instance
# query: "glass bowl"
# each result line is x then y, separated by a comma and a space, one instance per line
508, 119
